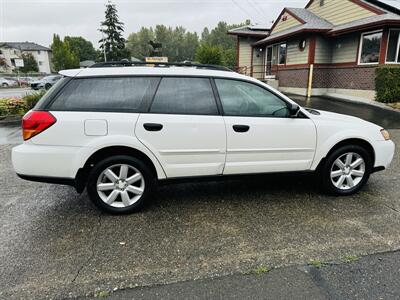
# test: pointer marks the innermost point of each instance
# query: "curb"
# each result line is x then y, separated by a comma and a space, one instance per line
367, 102
10, 120
343, 99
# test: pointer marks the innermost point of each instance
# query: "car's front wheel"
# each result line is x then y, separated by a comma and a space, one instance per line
4, 84
119, 184
346, 170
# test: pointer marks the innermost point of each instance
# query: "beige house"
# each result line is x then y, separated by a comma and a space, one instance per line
331, 47
249, 60
12, 50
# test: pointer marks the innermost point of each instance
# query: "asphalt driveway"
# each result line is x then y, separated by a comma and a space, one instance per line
54, 243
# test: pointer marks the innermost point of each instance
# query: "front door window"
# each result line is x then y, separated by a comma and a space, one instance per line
241, 98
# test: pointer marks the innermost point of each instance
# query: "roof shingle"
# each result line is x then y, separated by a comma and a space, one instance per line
25, 46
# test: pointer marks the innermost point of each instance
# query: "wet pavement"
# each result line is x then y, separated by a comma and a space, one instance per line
384, 117
15, 92
54, 243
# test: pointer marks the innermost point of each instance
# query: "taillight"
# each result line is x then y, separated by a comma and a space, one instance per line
35, 122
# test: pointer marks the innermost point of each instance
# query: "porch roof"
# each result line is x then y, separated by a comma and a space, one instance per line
315, 24
251, 30
384, 19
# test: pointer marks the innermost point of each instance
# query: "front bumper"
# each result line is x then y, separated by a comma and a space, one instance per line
384, 152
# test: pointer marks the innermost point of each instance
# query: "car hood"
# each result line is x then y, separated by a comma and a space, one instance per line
335, 117
37, 82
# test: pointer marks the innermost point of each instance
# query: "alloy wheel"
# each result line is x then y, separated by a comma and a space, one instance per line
347, 171
120, 185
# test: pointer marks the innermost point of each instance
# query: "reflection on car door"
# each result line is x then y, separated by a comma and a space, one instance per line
184, 129
261, 136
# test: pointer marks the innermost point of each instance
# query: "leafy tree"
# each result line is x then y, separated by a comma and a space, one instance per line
177, 44
180, 45
138, 43
113, 42
207, 54
230, 58
63, 57
30, 64
81, 47
3, 62
218, 37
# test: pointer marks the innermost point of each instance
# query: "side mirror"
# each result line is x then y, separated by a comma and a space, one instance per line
293, 109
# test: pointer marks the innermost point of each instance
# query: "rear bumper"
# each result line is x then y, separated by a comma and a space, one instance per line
56, 180
30, 160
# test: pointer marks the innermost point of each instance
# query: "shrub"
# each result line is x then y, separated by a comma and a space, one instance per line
32, 99
387, 84
12, 106
206, 54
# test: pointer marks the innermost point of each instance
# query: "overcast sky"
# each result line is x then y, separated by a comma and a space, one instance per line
37, 20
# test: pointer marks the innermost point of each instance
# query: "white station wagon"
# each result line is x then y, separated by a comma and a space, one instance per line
119, 128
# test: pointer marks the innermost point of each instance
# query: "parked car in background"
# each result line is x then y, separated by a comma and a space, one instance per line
46, 82
25, 80
4, 82
119, 130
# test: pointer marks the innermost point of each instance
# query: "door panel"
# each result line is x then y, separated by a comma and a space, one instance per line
269, 145
186, 145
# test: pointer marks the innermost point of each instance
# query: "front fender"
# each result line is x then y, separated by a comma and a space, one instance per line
327, 142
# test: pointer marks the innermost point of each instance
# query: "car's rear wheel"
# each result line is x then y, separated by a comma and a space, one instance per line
120, 184
346, 170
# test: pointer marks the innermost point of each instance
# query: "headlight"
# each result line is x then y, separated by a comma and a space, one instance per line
385, 134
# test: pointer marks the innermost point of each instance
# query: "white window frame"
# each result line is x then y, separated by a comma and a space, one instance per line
361, 44
397, 50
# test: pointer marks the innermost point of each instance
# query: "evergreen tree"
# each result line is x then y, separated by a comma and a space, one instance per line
30, 64
112, 28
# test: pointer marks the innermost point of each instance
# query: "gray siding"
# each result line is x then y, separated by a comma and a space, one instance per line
323, 51
294, 55
289, 22
340, 11
245, 51
344, 49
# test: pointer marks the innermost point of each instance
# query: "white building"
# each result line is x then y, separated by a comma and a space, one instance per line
14, 50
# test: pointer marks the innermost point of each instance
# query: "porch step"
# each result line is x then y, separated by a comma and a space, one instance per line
272, 82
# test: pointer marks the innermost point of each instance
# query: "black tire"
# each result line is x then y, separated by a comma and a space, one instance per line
47, 86
4, 85
326, 169
97, 170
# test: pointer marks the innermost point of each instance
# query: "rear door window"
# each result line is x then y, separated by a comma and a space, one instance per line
184, 95
105, 94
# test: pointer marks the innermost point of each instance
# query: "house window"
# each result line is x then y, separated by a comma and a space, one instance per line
393, 50
38, 52
40, 63
370, 47
302, 44
282, 54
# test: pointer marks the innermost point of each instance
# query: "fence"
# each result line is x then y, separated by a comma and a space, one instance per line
257, 71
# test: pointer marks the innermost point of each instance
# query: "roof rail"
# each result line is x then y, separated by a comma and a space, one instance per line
126, 63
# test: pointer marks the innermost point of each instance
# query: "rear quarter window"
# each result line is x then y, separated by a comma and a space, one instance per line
104, 94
